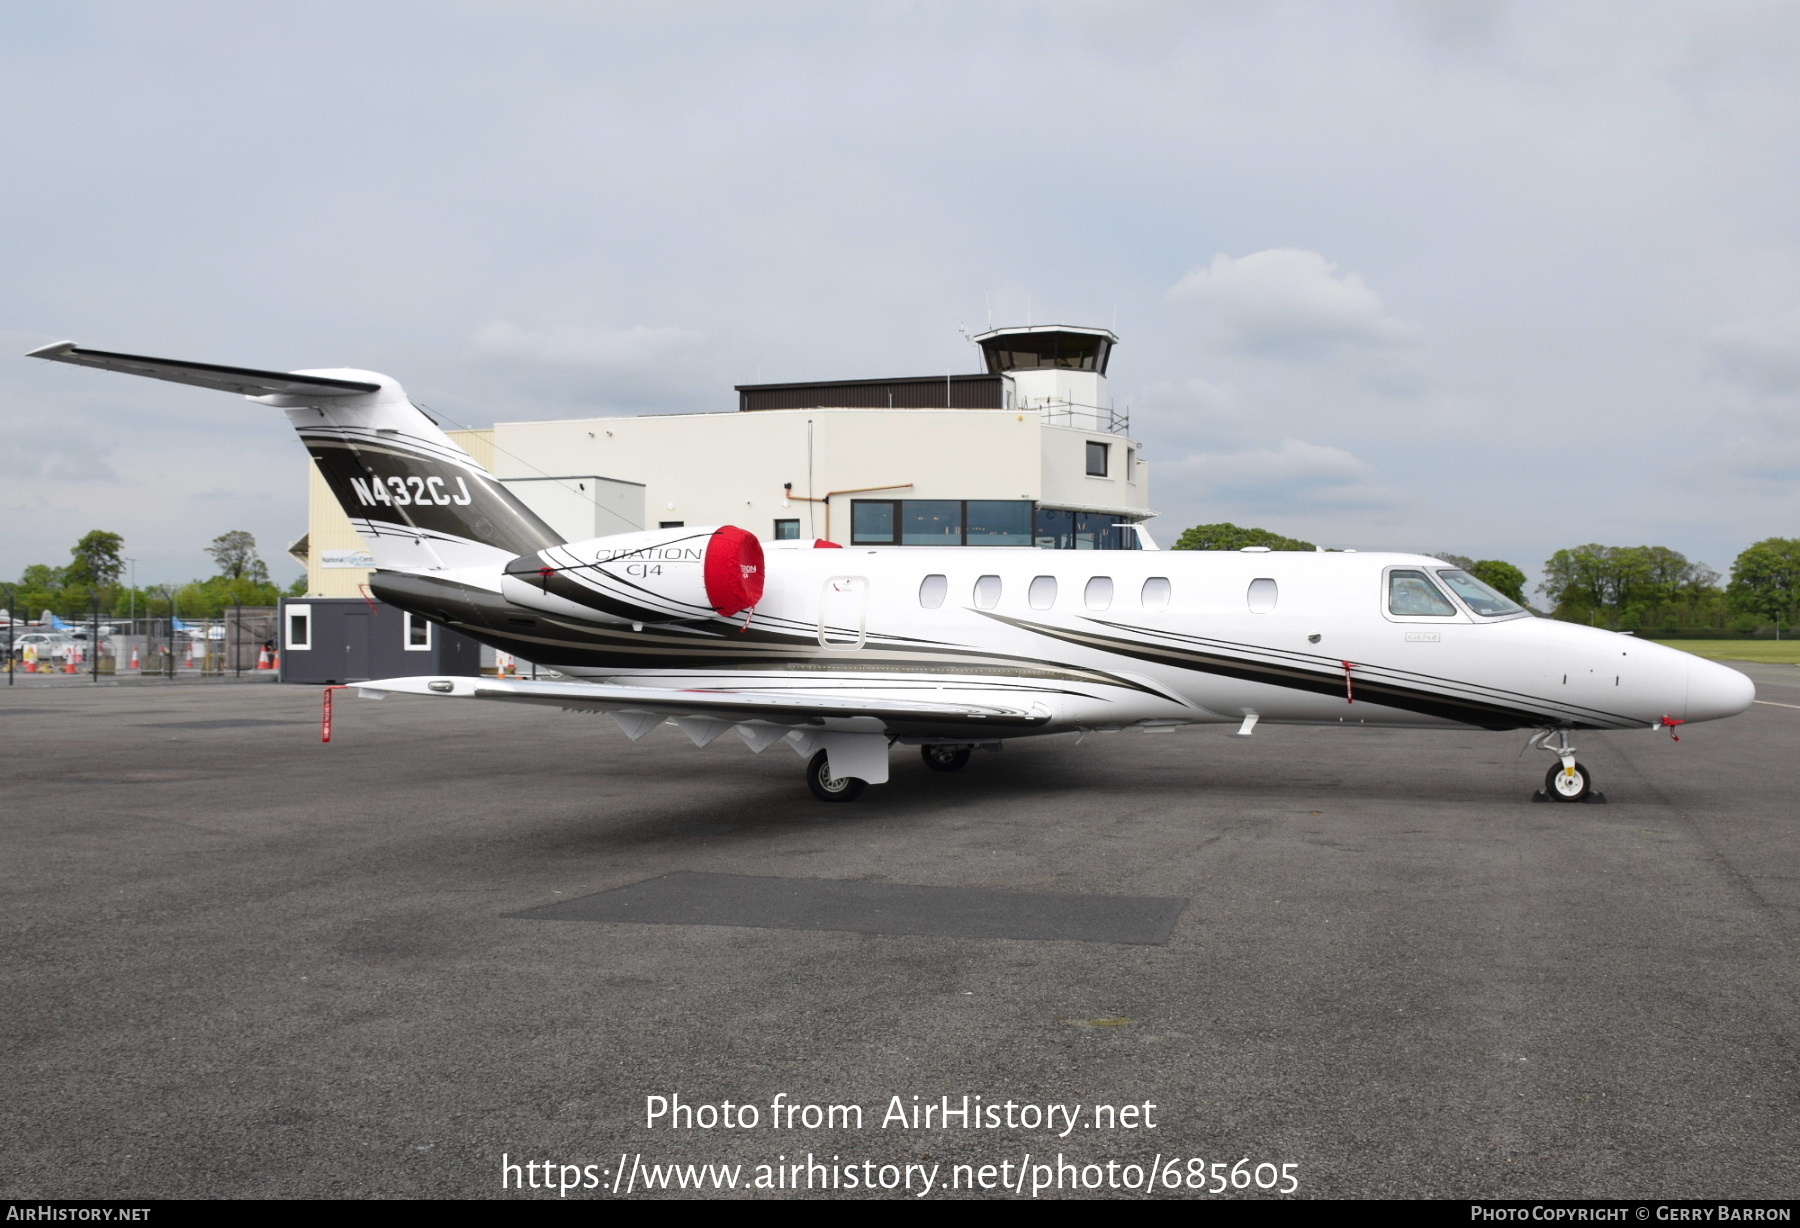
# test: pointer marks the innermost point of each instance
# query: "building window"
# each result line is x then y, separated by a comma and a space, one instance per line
872, 522
932, 590
299, 626
787, 531
1056, 529
418, 634
671, 524
1042, 593
998, 522
985, 522
1131, 465
931, 522
1096, 458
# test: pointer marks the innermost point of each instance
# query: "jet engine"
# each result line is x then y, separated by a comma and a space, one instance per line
657, 576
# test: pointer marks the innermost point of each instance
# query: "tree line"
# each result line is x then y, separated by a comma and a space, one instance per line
96, 571
1625, 588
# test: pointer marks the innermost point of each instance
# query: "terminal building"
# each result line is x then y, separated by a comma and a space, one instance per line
1029, 453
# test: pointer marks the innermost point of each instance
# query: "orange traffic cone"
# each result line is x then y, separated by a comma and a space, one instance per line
134, 658
276, 663
262, 659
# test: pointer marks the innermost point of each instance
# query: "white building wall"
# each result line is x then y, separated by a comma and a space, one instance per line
728, 468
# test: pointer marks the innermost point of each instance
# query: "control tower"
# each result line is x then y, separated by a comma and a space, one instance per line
1058, 370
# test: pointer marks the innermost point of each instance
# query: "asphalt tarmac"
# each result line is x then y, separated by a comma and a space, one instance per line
238, 962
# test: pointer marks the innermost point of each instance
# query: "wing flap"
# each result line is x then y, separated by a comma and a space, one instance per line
723, 705
243, 380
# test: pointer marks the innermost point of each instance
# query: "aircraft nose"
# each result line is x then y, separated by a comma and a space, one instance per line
1716, 691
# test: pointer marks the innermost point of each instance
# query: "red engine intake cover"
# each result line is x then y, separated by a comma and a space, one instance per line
734, 570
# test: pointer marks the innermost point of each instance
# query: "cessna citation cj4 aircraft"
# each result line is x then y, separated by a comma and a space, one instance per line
840, 653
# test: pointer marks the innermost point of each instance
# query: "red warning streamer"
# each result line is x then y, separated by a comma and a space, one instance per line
1671, 722
325, 719
1349, 687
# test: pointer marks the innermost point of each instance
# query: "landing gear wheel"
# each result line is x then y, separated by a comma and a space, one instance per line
945, 758
829, 788
1562, 786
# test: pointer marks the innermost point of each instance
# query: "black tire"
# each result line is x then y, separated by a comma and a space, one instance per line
828, 788
1561, 787
945, 758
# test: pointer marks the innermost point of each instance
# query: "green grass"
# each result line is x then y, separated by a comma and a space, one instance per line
1769, 652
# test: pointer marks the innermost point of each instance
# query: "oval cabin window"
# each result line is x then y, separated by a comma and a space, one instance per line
1262, 596
987, 592
1043, 592
1156, 593
932, 590
1099, 593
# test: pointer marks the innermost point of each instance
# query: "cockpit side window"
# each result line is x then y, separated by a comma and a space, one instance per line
1478, 596
1410, 594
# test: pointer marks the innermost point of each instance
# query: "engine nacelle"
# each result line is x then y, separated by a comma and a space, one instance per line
657, 576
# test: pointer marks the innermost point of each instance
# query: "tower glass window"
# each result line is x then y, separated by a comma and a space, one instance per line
1096, 459
1031, 350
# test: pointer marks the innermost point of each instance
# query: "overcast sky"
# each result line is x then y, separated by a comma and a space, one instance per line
1489, 278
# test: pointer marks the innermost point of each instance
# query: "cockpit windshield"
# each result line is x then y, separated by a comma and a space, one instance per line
1411, 595
1478, 596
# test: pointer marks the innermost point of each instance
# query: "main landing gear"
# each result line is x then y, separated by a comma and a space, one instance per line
942, 758
829, 788
939, 757
1568, 781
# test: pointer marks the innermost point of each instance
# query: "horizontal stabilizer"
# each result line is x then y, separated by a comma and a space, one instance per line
207, 375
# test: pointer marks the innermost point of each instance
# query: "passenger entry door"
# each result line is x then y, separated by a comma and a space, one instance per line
844, 613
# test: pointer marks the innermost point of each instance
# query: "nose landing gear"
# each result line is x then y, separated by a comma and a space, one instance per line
1568, 781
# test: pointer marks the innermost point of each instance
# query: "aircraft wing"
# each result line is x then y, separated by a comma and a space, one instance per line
205, 374
726, 707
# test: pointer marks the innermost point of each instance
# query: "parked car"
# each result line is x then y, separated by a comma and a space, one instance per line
50, 645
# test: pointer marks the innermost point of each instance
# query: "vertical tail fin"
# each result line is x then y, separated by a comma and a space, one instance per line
419, 502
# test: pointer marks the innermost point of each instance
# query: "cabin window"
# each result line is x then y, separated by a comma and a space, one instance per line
1156, 593
1099, 593
299, 626
1262, 596
987, 592
1411, 595
932, 590
1042, 594
1477, 595
418, 634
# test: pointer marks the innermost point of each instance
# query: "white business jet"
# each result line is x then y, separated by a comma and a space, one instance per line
841, 653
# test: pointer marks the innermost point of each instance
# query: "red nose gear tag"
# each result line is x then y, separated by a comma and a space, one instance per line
1671, 722
1349, 687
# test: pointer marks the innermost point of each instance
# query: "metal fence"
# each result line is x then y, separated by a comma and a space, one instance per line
242, 641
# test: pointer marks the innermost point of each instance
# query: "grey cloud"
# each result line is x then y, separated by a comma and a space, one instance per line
54, 461
1761, 352
1294, 474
